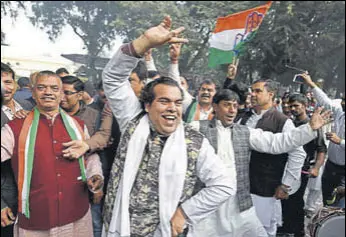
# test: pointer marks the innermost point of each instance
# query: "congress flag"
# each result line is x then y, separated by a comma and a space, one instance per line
232, 32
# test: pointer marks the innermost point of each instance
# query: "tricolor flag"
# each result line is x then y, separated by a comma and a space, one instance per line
232, 32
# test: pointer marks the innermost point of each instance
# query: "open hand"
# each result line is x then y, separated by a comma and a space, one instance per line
75, 149
21, 114
319, 118
157, 36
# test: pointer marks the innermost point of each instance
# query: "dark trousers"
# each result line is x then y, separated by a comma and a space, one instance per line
293, 211
333, 176
7, 231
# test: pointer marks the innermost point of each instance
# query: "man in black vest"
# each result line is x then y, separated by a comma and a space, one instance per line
293, 208
233, 142
271, 176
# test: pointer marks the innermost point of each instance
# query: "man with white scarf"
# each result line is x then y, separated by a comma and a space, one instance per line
151, 187
158, 161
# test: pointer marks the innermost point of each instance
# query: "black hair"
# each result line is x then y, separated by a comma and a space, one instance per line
206, 82
141, 71
23, 82
148, 96
270, 85
100, 86
225, 94
8, 69
152, 73
241, 89
61, 70
78, 85
300, 98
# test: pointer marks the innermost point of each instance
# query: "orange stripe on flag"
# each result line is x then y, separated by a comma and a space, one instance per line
239, 20
21, 155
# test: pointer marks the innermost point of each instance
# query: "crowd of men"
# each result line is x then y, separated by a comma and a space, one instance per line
144, 158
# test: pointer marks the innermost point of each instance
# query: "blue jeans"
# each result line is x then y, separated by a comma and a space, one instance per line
96, 213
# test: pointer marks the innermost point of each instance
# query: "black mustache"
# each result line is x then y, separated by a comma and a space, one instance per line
47, 97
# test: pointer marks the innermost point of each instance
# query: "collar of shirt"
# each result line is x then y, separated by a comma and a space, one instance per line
9, 113
219, 125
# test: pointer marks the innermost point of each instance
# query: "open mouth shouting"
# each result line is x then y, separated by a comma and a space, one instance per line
170, 119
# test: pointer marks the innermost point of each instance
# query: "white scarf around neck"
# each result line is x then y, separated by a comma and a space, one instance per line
172, 171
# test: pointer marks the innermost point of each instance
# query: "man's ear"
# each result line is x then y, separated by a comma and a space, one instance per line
146, 107
215, 106
80, 95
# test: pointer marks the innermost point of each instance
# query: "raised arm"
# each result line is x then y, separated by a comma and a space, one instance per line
279, 143
322, 97
122, 99
173, 72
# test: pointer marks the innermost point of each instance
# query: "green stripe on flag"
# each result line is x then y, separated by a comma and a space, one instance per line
218, 56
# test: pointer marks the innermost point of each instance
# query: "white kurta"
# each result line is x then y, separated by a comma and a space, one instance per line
228, 221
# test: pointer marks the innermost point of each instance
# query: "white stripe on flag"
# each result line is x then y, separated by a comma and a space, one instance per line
225, 40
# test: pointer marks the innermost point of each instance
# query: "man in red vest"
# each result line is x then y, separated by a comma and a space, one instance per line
52, 190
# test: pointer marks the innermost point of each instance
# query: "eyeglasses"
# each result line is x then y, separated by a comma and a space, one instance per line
70, 92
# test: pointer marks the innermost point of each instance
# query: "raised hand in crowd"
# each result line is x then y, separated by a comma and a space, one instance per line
319, 118
148, 55
232, 69
174, 52
157, 36
308, 80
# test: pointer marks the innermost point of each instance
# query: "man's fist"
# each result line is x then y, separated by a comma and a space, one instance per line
95, 183
174, 52
232, 69
7, 217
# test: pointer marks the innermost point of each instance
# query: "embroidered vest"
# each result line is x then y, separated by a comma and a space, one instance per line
193, 141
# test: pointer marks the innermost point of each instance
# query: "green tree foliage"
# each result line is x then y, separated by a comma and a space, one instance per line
305, 34
10, 8
308, 35
91, 21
